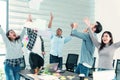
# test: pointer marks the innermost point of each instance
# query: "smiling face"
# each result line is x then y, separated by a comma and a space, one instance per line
107, 38
11, 35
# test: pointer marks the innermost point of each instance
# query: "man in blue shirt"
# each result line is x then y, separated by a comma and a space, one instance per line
87, 48
57, 43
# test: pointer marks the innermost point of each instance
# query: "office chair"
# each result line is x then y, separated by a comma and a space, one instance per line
113, 64
117, 70
23, 64
71, 62
93, 68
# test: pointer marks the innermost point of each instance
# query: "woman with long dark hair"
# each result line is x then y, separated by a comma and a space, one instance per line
14, 53
106, 48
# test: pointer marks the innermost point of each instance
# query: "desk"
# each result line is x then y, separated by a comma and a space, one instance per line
23, 73
66, 74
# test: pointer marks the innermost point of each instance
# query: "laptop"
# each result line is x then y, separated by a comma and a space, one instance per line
104, 75
52, 67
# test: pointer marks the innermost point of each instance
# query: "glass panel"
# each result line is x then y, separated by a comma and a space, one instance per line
2, 23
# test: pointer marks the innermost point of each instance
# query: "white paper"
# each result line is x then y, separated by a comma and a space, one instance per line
43, 77
48, 77
38, 24
104, 75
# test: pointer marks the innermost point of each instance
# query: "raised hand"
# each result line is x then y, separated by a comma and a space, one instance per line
51, 16
50, 21
74, 25
87, 21
29, 19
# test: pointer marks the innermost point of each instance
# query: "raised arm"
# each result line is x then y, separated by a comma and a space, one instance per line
77, 34
50, 21
23, 33
5, 39
67, 39
42, 46
80, 35
87, 22
92, 36
117, 44
29, 19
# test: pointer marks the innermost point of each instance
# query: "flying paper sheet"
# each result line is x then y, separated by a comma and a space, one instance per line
38, 24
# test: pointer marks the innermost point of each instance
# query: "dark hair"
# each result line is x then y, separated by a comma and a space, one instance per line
98, 27
7, 34
59, 29
103, 44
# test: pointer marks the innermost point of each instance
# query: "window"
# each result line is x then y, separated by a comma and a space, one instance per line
3, 22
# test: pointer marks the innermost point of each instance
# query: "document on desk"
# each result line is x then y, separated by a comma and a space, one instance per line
43, 77
34, 76
48, 77
104, 75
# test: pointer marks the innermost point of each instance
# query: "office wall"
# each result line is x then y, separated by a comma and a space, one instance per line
65, 12
109, 16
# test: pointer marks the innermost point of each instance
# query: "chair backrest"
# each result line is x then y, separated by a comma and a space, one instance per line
117, 70
113, 64
91, 70
118, 65
23, 64
93, 66
71, 62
